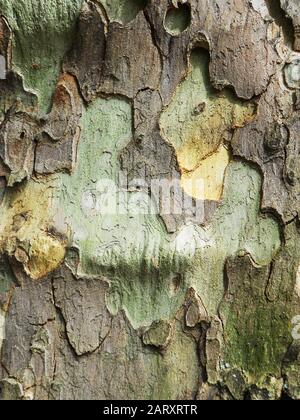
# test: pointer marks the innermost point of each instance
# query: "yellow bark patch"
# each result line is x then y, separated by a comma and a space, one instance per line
25, 220
197, 123
206, 182
204, 134
45, 255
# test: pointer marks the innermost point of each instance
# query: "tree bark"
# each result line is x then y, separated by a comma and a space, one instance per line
150, 184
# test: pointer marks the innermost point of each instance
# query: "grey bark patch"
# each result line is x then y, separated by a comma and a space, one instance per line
52, 157
266, 144
84, 61
235, 47
17, 134
135, 66
195, 310
40, 356
14, 98
89, 325
58, 139
158, 335
291, 7
31, 306
151, 158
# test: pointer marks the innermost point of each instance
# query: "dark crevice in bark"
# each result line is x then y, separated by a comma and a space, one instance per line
281, 20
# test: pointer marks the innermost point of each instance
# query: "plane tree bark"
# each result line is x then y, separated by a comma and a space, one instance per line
150, 179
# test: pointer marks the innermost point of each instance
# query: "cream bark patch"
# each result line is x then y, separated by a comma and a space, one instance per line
209, 174
25, 228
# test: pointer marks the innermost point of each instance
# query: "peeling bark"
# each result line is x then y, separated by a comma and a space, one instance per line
114, 102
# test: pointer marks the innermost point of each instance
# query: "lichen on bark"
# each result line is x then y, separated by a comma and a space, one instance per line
102, 294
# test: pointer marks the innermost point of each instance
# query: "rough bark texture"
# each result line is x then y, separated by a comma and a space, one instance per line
137, 305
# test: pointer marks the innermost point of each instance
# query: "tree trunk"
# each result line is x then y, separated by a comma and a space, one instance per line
150, 197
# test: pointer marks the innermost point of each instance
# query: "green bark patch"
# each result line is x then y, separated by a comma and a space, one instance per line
178, 19
123, 11
237, 228
257, 310
42, 34
127, 246
133, 251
